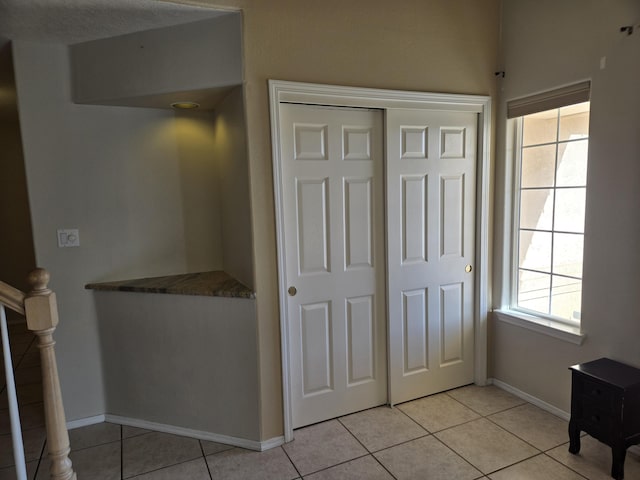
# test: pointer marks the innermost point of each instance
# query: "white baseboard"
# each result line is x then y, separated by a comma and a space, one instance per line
200, 435
85, 422
530, 398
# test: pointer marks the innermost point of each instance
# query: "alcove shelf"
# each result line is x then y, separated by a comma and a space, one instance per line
209, 284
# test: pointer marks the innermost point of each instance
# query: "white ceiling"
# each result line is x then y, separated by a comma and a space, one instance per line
75, 21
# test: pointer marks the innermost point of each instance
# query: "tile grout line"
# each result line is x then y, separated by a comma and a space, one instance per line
370, 453
520, 438
486, 417
460, 455
562, 464
39, 464
121, 452
411, 418
204, 457
290, 460
541, 452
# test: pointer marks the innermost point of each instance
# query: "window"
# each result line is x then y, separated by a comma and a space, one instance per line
549, 214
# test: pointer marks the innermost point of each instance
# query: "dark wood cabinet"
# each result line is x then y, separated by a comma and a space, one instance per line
605, 403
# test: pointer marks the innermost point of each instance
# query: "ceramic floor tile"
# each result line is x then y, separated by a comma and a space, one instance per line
594, 460
27, 395
382, 427
32, 441
321, 446
438, 412
537, 427
536, 468
485, 400
31, 416
29, 359
192, 470
9, 473
240, 464
18, 326
97, 463
364, 468
20, 347
426, 458
93, 435
128, 432
21, 336
155, 450
209, 448
485, 445
28, 375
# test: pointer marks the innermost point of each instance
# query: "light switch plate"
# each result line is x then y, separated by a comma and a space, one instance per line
68, 237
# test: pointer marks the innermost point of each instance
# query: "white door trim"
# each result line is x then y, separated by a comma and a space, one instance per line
295, 92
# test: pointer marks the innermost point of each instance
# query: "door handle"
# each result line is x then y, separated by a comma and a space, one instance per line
292, 291
468, 268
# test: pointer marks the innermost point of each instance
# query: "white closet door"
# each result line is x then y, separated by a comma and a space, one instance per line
430, 177
333, 202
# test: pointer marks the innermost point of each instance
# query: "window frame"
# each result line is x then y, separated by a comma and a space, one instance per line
515, 223
509, 312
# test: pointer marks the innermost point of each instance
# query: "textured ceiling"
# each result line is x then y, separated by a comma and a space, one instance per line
74, 21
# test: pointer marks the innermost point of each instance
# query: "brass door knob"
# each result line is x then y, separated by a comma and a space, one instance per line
292, 291
468, 268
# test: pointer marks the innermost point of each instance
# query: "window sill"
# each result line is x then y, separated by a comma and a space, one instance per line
545, 326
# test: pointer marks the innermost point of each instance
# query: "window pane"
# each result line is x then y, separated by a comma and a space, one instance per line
533, 291
567, 254
535, 250
569, 216
574, 121
566, 297
540, 128
572, 164
538, 165
553, 178
536, 207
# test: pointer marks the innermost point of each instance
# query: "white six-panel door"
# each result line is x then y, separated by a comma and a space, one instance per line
333, 207
430, 181
334, 176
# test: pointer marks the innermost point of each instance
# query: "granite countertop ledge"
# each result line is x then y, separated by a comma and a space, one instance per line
210, 284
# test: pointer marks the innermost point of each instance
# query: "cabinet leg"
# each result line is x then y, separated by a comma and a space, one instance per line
574, 437
617, 465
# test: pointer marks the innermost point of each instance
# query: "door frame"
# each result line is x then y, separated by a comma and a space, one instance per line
330, 95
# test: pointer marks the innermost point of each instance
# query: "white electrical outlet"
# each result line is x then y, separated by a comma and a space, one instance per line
68, 237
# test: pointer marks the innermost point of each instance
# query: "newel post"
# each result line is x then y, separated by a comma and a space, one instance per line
41, 312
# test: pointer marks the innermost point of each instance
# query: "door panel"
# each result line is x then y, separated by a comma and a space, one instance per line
360, 339
415, 338
414, 219
315, 327
313, 227
358, 223
430, 178
332, 175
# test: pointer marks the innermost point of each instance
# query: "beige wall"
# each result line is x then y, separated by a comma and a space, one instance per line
192, 56
547, 44
230, 153
143, 195
183, 361
425, 45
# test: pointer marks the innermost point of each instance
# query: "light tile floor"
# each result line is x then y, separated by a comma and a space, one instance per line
464, 434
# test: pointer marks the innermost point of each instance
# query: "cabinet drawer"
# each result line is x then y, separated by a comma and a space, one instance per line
596, 393
596, 421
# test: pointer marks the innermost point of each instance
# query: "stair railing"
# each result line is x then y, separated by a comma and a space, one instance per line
41, 311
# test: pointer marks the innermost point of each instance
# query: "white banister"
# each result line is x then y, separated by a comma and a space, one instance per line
14, 414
